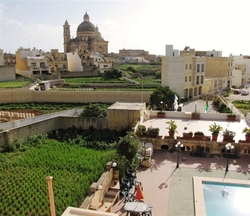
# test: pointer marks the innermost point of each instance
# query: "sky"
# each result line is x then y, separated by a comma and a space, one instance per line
204, 25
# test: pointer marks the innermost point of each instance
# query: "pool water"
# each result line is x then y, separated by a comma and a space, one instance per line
225, 199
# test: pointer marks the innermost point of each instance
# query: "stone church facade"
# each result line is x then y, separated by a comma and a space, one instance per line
87, 37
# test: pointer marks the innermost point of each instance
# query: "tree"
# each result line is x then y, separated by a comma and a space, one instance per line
162, 98
114, 73
93, 110
128, 146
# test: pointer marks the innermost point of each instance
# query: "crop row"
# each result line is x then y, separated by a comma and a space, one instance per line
23, 177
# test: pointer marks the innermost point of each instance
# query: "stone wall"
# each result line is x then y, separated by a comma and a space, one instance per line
7, 73
47, 125
215, 148
28, 96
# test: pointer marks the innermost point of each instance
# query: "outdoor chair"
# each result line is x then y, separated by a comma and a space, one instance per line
129, 197
148, 213
124, 192
131, 173
125, 183
135, 214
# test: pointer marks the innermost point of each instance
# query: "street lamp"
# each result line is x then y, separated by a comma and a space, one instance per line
228, 146
178, 146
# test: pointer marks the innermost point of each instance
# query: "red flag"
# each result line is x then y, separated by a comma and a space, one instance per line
139, 194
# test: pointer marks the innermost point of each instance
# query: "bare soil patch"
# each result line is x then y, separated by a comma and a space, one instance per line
16, 114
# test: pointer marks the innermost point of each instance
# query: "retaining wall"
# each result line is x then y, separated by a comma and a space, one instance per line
29, 96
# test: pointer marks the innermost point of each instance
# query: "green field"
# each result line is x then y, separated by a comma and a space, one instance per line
23, 175
14, 84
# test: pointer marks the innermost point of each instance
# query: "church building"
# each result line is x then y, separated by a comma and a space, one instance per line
88, 37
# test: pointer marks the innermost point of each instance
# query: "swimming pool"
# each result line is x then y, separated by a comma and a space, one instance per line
221, 197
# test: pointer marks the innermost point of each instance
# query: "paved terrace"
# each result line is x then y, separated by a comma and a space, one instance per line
169, 190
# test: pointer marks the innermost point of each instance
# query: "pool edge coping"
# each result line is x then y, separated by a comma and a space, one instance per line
199, 204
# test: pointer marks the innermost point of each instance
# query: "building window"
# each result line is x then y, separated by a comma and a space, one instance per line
42, 64
202, 79
190, 78
186, 66
202, 67
198, 68
36, 72
185, 79
197, 80
246, 151
105, 65
33, 64
190, 66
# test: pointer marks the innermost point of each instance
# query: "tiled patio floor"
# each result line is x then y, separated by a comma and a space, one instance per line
170, 191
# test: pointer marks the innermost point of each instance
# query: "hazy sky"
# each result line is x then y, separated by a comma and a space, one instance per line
221, 25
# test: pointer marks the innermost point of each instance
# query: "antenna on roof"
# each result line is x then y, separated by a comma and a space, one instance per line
186, 48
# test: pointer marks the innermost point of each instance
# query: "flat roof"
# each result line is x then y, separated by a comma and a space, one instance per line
127, 106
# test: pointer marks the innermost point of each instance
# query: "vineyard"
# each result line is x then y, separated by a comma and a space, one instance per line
23, 177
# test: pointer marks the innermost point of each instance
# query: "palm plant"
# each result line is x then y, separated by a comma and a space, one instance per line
215, 128
172, 126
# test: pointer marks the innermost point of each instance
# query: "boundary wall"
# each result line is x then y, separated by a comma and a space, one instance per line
43, 124
29, 96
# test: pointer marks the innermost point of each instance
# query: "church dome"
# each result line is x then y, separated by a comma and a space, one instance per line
86, 25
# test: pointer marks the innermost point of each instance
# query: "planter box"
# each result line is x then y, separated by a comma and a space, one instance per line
161, 115
214, 137
187, 135
228, 138
195, 116
146, 163
231, 118
198, 137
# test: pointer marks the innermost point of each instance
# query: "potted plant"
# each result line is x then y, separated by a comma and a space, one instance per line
231, 117
153, 132
145, 162
198, 135
215, 129
141, 130
188, 135
195, 115
161, 114
228, 135
246, 130
172, 128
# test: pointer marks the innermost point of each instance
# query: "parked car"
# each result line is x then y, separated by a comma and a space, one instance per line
244, 92
237, 91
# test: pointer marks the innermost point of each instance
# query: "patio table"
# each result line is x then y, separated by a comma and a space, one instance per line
136, 207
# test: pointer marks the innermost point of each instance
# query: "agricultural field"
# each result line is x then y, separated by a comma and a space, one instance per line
243, 106
23, 175
14, 84
45, 108
88, 80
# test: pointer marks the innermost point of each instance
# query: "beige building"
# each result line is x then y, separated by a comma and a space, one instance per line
87, 37
89, 63
193, 73
239, 68
1, 58
31, 63
56, 60
131, 52
9, 59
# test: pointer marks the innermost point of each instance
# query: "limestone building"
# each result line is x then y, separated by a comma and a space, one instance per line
31, 63
7, 69
239, 68
193, 73
87, 37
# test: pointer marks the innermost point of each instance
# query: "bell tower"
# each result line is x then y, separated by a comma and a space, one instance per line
66, 35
